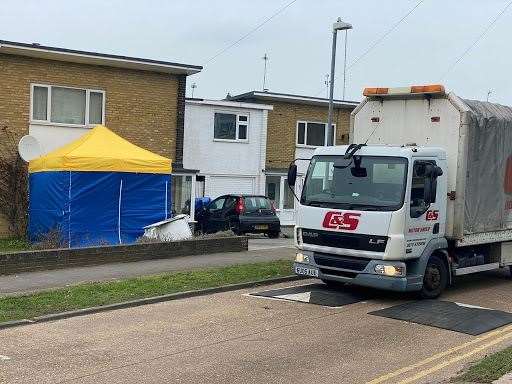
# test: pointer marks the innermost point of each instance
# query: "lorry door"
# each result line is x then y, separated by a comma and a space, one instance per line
423, 221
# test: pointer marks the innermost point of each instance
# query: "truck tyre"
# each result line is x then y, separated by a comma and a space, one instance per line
435, 278
273, 235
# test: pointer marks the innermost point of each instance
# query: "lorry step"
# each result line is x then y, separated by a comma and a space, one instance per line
476, 268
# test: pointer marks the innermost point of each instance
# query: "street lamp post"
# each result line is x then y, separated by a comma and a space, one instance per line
337, 26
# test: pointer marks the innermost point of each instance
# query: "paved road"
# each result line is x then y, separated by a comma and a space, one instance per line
260, 249
233, 338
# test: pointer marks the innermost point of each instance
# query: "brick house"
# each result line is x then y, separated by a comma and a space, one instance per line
57, 94
296, 126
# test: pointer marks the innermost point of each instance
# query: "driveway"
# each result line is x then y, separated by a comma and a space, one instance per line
236, 338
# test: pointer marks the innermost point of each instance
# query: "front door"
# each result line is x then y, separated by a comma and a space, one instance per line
214, 215
423, 221
277, 190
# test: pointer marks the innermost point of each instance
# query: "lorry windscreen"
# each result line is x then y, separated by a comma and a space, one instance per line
360, 183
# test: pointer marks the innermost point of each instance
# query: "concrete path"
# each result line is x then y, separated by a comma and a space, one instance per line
260, 250
233, 338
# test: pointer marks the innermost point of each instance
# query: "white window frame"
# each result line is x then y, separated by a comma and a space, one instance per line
238, 123
48, 121
306, 134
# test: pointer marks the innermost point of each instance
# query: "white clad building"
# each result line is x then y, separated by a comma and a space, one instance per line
225, 141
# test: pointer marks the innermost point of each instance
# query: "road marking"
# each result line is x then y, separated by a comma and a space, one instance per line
440, 355
304, 297
4, 358
440, 366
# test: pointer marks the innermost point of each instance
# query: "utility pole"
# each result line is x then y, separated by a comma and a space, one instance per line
265, 59
193, 86
489, 94
326, 82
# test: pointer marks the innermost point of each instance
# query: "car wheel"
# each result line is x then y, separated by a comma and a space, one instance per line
273, 235
435, 278
236, 229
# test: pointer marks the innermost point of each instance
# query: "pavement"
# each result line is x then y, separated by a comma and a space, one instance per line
261, 249
232, 337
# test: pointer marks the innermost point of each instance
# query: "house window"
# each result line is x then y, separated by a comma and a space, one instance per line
230, 126
67, 106
311, 134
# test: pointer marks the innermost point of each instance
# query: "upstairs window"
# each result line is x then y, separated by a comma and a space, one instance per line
67, 106
311, 134
230, 127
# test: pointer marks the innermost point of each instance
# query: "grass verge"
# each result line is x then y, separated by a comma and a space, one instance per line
488, 369
103, 293
13, 245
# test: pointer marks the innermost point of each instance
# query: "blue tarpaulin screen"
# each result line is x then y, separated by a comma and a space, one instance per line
91, 208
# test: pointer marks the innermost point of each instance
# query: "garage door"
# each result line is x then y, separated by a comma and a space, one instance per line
222, 185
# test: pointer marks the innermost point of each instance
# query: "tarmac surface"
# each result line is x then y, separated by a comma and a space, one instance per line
233, 337
261, 249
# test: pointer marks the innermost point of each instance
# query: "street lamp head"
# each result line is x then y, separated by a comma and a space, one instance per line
341, 25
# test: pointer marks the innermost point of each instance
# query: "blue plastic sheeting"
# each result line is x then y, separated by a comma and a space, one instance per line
91, 208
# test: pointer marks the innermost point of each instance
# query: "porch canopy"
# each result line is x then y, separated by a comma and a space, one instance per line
98, 189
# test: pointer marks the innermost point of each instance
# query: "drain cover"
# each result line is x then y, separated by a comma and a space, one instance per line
456, 317
318, 294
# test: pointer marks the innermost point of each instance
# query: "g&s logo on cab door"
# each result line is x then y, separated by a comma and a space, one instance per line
341, 221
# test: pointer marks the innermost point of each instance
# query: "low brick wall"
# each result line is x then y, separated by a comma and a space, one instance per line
16, 262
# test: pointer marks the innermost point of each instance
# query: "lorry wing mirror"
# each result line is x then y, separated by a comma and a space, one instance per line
437, 171
292, 175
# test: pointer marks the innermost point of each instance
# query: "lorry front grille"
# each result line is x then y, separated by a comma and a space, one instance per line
343, 262
357, 241
350, 275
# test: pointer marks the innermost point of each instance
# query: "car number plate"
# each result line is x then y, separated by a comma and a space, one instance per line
306, 271
261, 226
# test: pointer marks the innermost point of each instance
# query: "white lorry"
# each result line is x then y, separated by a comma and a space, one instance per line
423, 193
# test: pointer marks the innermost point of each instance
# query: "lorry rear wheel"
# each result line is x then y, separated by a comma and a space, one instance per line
435, 278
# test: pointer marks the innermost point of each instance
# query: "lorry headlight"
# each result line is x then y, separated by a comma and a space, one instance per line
389, 270
301, 258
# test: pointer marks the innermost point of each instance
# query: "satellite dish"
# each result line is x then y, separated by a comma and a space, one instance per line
29, 148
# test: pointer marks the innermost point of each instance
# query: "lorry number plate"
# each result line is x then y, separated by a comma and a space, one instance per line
306, 271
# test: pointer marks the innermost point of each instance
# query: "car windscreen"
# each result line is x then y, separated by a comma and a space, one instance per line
361, 182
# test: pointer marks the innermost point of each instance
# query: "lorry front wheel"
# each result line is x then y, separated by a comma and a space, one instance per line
435, 278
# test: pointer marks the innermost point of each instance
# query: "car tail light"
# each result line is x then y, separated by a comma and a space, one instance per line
240, 206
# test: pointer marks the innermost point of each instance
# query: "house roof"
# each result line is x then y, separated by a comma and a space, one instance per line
299, 99
228, 103
95, 58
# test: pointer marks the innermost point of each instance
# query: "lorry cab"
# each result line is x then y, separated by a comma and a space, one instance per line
367, 210
422, 193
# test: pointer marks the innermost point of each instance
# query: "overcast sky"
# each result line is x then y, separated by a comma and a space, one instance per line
298, 41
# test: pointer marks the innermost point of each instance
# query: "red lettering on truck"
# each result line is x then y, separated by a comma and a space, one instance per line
341, 221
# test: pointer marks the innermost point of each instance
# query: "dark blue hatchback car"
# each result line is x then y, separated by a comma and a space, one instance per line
240, 213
